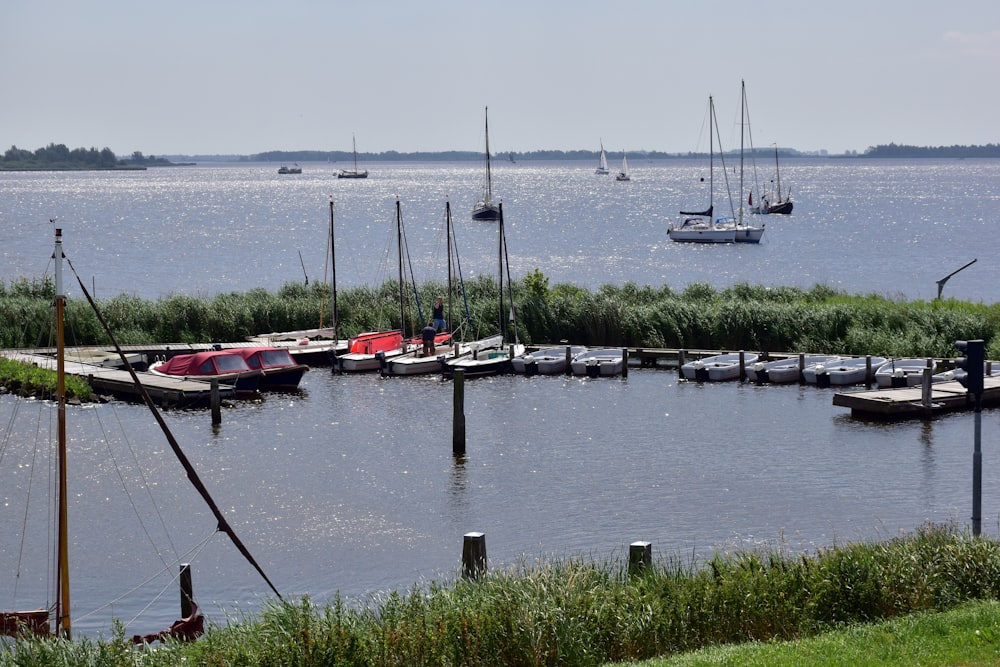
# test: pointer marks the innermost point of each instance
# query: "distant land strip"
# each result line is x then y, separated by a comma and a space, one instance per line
59, 157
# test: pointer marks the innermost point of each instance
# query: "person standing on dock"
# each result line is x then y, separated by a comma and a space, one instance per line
439, 323
427, 335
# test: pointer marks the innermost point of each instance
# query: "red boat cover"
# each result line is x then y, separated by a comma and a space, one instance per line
375, 341
266, 357
215, 362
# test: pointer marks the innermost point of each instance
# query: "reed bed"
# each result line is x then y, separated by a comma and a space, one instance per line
741, 317
575, 612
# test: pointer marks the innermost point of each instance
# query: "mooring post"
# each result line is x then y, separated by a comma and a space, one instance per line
743, 366
925, 389
216, 403
458, 417
474, 555
640, 557
868, 371
680, 363
624, 362
187, 590
569, 360
802, 367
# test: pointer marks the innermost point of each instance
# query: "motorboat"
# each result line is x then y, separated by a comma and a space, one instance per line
226, 366
786, 370
718, 368
285, 169
280, 371
903, 372
546, 361
484, 361
602, 362
418, 363
845, 371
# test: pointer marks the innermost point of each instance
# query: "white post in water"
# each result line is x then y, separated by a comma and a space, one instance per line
474, 555
640, 557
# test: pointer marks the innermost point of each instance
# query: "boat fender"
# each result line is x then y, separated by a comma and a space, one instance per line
822, 376
593, 368
383, 366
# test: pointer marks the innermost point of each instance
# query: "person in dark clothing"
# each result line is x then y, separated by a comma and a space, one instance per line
427, 335
439, 322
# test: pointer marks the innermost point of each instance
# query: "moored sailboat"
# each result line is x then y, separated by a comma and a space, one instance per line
602, 163
353, 173
485, 208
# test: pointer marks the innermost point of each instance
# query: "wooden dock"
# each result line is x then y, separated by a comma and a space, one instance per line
912, 403
167, 391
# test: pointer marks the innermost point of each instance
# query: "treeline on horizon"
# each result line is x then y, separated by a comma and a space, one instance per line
699, 317
59, 156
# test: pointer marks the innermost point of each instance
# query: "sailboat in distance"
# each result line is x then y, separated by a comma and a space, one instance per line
485, 209
602, 163
624, 174
353, 173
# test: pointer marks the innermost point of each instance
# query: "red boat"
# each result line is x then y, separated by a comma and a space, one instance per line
281, 372
226, 366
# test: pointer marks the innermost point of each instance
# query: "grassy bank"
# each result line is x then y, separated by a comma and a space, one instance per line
579, 613
28, 380
742, 317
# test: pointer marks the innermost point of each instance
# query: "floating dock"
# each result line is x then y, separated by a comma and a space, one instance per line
166, 391
916, 402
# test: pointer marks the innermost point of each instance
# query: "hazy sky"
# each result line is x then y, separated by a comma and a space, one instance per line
245, 76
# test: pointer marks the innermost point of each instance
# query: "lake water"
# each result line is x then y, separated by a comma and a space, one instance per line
352, 486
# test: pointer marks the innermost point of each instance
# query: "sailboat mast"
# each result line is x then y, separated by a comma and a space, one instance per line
354, 144
489, 179
743, 106
63, 624
503, 329
447, 218
333, 285
777, 174
711, 155
399, 246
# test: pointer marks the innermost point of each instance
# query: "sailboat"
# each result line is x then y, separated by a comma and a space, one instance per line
492, 357
485, 209
55, 618
353, 173
624, 175
745, 233
782, 207
602, 163
700, 226
367, 351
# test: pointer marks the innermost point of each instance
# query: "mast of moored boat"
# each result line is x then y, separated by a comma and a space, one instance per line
63, 624
333, 288
449, 323
489, 179
402, 290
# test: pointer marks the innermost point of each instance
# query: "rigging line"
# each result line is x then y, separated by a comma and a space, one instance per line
128, 494
461, 281
192, 474
196, 550
510, 283
413, 283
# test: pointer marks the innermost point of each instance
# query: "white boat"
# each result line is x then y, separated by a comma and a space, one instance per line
353, 173
699, 226
745, 232
485, 208
845, 371
786, 370
546, 361
903, 372
418, 363
602, 362
624, 175
717, 368
602, 163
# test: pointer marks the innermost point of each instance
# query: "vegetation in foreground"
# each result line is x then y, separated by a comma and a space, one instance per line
27, 380
741, 317
578, 613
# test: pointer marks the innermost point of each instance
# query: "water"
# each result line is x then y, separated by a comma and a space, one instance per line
351, 486
891, 227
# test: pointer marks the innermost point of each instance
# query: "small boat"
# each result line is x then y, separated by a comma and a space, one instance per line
418, 363
603, 362
285, 169
484, 361
786, 370
903, 372
280, 371
624, 175
546, 361
781, 206
717, 368
845, 371
226, 366
485, 209
602, 163
353, 173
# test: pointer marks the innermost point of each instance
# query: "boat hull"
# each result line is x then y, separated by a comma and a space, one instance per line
718, 368
903, 373
486, 212
598, 363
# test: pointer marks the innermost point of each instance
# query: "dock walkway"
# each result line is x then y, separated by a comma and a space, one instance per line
910, 402
166, 391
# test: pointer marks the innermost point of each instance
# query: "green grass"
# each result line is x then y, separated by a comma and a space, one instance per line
29, 380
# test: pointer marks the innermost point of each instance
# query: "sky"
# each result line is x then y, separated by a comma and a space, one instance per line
222, 77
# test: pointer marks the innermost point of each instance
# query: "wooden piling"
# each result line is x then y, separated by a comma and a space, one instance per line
216, 404
569, 360
640, 557
802, 367
624, 362
743, 366
680, 363
869, 376
187, 590
458, 415
474, 555
925, 394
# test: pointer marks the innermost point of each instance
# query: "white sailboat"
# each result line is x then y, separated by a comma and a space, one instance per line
745, 232
602, 163
485, 209
624, 174
700, 227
